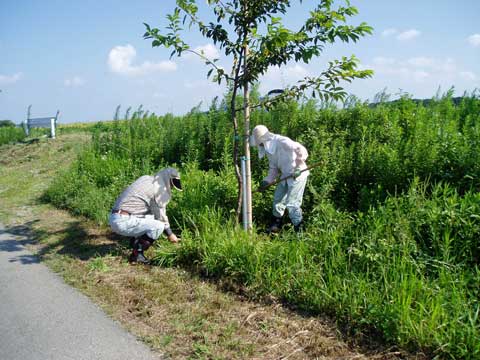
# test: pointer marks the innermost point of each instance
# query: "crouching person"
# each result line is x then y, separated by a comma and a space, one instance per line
140, 211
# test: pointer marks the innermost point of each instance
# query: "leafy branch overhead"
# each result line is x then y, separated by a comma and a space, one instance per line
251, 33
258, 24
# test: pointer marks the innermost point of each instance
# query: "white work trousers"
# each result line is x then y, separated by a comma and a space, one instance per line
289, 196
133, 226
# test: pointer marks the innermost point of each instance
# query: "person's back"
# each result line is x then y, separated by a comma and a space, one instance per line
136, 198
288, 156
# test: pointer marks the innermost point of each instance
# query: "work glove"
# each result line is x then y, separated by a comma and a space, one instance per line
263, 185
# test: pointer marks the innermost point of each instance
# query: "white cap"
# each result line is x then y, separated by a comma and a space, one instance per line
259, 135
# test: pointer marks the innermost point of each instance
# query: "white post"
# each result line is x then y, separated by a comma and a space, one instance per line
52, 128
244, 192
25, 127
27, 123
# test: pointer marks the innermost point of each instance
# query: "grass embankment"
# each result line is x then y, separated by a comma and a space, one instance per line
173, 311
391, 246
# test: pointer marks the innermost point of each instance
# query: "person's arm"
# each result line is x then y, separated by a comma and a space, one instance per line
168, 230
160, 214
272, 172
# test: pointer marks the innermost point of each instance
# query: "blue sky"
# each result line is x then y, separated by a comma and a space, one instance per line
86, 57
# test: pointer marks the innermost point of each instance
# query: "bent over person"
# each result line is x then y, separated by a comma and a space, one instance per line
287, 159
140, 211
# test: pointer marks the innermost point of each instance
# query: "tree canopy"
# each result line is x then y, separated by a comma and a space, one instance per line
258, 24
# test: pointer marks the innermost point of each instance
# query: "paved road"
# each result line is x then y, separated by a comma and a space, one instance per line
41, 318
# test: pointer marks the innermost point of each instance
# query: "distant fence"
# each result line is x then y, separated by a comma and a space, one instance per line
44, 122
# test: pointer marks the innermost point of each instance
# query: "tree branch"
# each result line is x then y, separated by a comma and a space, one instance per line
212, 63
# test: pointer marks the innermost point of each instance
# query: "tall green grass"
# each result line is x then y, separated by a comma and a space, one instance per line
391, 247
379, 273
10, 134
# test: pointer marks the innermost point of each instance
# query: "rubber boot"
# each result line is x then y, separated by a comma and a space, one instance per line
298, 228
140, 245
275, 225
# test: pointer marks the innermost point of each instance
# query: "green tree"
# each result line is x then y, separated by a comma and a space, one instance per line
251, 33
5, 123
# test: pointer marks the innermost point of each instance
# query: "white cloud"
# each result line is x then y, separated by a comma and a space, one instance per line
401, 35
380, 60
10, 79
201, 85
159, 95
474, 40
208, 50
389, 32
76, 81
419, 69
196, 84
276, 77
420, 76
421, 61
468, 75
120, 60
446, 65
295, 72
287, 74
408, 35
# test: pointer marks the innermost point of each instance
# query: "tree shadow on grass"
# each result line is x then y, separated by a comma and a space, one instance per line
22, 234
73, 240
18, 237
76, 242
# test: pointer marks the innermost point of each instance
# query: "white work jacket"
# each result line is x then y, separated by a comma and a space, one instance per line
284, 157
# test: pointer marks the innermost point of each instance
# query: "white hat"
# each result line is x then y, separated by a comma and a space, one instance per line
260, 134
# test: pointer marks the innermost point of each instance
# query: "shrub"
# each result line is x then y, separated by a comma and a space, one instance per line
10, 134
7, 123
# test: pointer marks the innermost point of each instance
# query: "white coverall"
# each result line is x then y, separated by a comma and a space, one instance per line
284, 157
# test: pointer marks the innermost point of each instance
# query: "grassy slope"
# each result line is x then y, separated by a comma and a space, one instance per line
171, 310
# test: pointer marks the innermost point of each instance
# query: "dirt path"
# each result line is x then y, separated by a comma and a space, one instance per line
171, 310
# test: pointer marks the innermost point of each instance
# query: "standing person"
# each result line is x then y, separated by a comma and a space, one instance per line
285, 158
140, 211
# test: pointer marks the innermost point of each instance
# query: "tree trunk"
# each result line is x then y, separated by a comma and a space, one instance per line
246, 102
236, 138
235, 154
